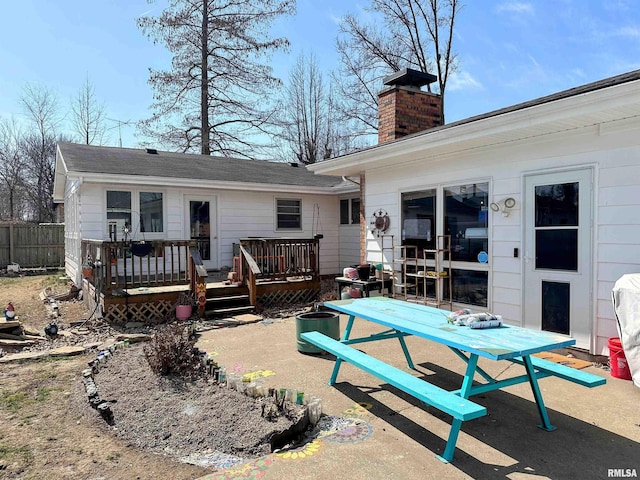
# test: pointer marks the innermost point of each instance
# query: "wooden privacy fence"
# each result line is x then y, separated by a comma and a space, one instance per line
32, 245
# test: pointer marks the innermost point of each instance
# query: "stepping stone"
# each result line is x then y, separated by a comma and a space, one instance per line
68, 351
24, 356
247, 318
15, 343
134, 337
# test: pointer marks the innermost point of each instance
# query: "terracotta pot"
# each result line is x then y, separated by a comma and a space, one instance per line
87, 273
183, 312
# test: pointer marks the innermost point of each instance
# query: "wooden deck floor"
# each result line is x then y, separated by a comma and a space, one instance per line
174, 288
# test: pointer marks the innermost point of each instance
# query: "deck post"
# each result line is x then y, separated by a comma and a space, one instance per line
252, 287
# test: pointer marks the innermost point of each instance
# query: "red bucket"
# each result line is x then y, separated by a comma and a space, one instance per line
617, 360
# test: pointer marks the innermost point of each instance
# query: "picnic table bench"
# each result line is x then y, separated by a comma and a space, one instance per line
514, 344
459, 408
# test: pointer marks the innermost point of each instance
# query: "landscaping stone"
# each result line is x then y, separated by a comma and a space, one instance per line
16, 357
66, 351
247, 318
134, 337
134, 324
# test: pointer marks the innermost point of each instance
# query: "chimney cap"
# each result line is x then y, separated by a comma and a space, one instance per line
409, 78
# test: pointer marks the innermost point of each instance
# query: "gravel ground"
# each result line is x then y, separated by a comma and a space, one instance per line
199, 422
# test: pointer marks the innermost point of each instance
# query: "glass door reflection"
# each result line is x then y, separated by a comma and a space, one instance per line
200, 227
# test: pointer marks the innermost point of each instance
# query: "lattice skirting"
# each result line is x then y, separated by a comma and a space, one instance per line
284, 297
148, 312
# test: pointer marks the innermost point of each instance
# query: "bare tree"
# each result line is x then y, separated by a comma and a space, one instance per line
88, 115
12, 167
41, 105
310, 128
305, 115
216, 94
404, 33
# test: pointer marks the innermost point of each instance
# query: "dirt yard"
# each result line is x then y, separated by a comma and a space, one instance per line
49, 431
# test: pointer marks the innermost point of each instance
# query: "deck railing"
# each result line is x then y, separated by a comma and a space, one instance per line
277, 260
153, 263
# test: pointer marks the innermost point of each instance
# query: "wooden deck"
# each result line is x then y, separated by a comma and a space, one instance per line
145, 286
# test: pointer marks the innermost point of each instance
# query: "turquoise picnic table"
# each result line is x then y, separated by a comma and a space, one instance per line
404, 319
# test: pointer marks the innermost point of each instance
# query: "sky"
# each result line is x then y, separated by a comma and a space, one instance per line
509, 51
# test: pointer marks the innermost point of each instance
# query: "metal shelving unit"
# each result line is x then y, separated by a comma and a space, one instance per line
423, 278
392, 256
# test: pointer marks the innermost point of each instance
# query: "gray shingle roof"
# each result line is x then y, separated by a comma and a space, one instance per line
137, 162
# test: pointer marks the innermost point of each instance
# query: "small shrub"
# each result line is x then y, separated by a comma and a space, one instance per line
13, 401
8, 453
42, 394
172, 351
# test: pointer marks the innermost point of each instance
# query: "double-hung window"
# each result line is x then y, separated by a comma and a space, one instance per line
288, 214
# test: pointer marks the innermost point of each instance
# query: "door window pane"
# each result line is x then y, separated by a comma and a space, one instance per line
557, 249
557, 205
419, 219
200, 226
151, 216
555, 307
289, 214
466, 220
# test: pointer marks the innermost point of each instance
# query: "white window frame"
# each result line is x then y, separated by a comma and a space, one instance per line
439, 227
349, 201
277, 213
135, 210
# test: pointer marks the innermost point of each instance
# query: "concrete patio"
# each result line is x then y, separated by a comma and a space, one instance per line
598, 429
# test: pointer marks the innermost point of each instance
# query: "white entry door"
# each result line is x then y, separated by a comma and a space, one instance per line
200, 225
558, 254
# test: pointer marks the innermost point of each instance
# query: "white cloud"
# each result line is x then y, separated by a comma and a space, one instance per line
631, 32
463, 81
577, 73
516, 7
533, 61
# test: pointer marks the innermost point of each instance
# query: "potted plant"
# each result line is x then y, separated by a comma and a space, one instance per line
87, 268
184, 308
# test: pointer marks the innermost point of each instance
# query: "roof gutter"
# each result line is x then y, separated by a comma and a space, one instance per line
101, 178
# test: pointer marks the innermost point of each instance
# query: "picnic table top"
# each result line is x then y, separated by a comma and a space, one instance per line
502, 343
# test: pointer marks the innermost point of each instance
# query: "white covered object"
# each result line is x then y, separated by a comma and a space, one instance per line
626, 304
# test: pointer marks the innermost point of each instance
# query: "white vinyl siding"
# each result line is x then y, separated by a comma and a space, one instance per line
616, 226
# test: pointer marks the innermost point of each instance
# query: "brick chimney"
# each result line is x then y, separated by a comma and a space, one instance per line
403, 108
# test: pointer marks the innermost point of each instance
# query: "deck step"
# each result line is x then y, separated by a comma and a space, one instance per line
228, 298
230, 311
227, 303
